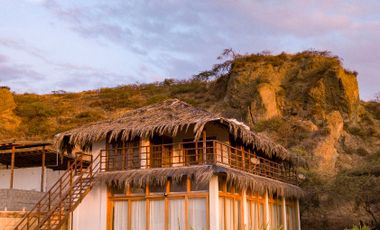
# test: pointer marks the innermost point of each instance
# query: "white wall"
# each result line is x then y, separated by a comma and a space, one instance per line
29, 178
92, 212
24, 178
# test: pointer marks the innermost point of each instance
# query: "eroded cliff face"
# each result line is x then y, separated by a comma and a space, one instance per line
325, 149
307, 87
9, 122
311, 86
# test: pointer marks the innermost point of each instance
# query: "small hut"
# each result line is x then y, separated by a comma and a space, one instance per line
173, 166
27, 170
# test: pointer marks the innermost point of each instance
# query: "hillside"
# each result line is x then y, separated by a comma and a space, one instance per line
306, 101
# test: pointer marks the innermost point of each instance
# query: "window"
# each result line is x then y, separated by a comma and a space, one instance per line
161, 153
138, 215
176, 214
256, 214
178, 208
120, 215
123, 155
198, 152
230, 208
291, 215
156, 214
197, 213
275, 210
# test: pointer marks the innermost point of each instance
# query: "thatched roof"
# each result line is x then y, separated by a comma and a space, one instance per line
201, 175
168, 117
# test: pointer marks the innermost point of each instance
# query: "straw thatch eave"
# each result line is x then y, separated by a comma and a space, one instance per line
168, 117
201, 175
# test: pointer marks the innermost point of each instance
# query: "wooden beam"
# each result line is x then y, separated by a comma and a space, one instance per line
12, 166
43, 168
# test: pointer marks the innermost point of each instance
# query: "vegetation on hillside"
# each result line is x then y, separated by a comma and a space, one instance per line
306, 101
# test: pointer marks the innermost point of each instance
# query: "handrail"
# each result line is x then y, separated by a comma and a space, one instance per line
194, 153
54, 200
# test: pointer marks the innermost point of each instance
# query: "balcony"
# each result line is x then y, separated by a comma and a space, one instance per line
194, 153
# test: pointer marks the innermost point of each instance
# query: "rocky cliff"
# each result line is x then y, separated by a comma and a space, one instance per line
310, 104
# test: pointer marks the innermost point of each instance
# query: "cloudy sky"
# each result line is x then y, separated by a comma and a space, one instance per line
72, 45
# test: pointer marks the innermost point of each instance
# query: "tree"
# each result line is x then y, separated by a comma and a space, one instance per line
377, 97
219, 69
361, 185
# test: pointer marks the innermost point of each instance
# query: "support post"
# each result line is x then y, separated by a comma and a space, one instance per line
12, 166
284, 217
43, 157
267, 211
214, 202
204, 139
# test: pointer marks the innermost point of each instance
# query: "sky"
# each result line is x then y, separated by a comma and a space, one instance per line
74, 45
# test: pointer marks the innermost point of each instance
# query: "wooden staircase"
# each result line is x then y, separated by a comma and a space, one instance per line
53, 210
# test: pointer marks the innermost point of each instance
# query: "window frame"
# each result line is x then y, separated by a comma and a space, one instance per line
147, 197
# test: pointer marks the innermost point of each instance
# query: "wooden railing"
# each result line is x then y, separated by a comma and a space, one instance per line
64, 196
194, 153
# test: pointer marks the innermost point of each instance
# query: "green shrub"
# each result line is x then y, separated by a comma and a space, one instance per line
36, 110
272, 124
88, 116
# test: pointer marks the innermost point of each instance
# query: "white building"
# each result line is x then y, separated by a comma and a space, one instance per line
170, 166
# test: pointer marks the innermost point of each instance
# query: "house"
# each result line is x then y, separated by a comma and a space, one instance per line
171, 166
27, 170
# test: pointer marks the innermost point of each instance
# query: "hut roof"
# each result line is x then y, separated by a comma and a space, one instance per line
201, 174
170, 116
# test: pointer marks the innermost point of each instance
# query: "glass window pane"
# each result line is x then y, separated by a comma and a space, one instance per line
229, 210
138, 215
197, 213
120, 215
261, 216
291, 216
237, 214
157, 214
221, 213
176, 214
252, 215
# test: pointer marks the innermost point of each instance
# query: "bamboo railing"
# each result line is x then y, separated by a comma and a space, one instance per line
194, 153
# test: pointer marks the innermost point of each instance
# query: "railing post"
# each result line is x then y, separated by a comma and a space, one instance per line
70, 188
221, 153
243, 157
214, 152
196, 152
204, 139
123, 162
49, 203
249, 160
